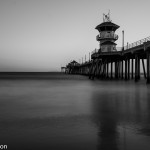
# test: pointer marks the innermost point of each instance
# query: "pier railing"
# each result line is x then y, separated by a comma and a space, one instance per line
109, 36
128, 46
97, 50
137, 43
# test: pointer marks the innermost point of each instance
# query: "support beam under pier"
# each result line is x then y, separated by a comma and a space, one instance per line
144, 68
129, 68
111, 69
122, 69
136, 67
132, 68
126, 68
148, 67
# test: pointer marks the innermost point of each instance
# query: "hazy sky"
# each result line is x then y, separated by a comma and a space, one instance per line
43, 35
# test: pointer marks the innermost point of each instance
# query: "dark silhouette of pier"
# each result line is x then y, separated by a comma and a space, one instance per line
109, 63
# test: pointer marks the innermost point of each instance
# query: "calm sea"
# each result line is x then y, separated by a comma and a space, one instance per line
71, 112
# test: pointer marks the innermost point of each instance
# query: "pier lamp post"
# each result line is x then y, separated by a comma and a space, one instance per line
123, 40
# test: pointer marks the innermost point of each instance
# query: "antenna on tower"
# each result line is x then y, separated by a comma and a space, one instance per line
106, 18
109, 15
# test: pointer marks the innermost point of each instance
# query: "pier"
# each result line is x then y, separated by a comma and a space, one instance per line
110, 62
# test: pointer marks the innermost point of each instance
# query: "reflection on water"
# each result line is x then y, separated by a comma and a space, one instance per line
122, 115
72, 112
106, 120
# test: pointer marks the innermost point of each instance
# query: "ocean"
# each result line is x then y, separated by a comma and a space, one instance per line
56, 111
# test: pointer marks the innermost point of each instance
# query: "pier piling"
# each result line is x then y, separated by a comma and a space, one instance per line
132, 67
126, 62
128, 68
148, 67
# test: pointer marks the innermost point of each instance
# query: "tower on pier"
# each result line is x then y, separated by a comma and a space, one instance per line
107, 36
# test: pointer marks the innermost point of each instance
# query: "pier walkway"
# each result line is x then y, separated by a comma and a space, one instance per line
126, 64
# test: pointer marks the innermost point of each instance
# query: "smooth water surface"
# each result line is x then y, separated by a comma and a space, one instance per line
71, 112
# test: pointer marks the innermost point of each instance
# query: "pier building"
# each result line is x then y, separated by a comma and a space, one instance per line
107, 36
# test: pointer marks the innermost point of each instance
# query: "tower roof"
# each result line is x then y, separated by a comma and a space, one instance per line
101, 27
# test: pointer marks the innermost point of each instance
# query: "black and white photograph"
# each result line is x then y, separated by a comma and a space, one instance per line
74, 75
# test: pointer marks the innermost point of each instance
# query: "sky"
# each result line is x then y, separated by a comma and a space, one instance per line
43, 35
